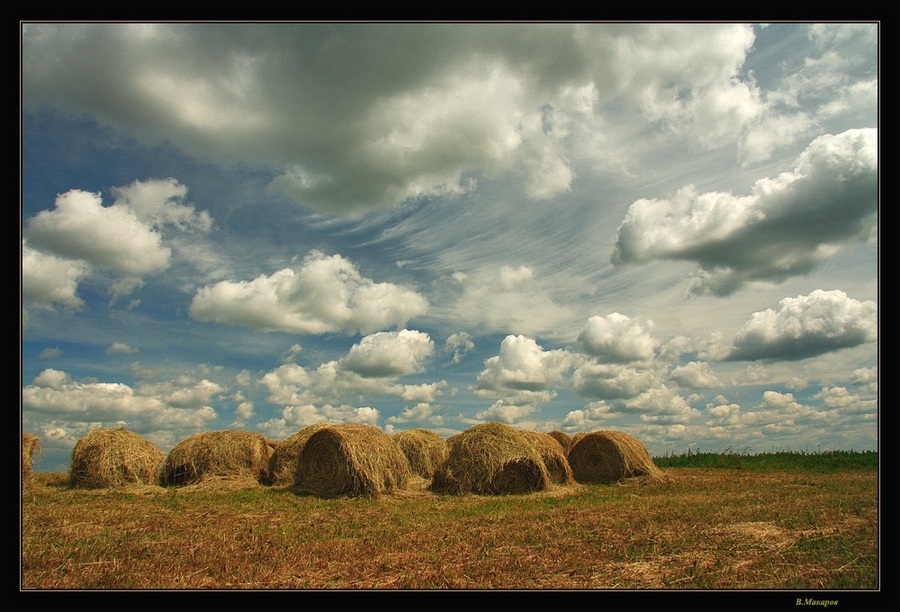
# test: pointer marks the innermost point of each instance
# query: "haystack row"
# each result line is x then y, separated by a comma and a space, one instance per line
353, 459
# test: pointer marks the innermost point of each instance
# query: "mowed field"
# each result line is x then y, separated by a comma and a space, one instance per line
734, 527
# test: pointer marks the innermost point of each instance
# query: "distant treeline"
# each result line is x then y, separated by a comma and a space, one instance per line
826, 461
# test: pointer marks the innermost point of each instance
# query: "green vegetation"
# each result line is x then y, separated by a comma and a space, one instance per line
803, 523
826, 461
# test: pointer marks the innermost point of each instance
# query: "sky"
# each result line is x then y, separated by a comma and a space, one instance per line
667, 229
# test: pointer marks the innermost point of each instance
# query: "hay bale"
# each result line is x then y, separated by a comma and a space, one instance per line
491, 459
31, 445
114, 457
611, 456
224, 454
452, 440
352, 460
425, 450
286, 456
563, 438
554, 456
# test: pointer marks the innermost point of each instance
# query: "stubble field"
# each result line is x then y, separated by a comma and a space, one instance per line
708, 528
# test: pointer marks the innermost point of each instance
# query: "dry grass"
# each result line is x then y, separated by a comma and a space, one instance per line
114, 457
452, 440
706, 529
554, 456
351, 460
286, 457
31, 445
564, 439
219, 455
611, 456
425, 450
491, 459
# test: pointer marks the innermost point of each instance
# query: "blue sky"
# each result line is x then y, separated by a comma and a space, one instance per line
665, 229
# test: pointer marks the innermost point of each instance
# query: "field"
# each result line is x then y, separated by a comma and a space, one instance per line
724, 522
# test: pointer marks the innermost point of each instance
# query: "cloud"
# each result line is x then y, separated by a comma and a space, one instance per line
695, 375
183, 391
507, 298
121, 347
458, 345
423, 412
243, 413
608, 381
522, 367
723, 414
371, 367
112, 237
323, 294
846, 401
661, 405
308, 415
389, 354
787, 226
48, 280
65, 245
506, 412
691, 87
55, 393
158, 202
593, 416
617, 338
806, 326
350, 125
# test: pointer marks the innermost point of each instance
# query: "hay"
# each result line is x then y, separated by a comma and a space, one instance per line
563, 438
611, 456
31, 445
491, 459
225, 454
425, 450
351, 460
554, 456
114, 457
286, 457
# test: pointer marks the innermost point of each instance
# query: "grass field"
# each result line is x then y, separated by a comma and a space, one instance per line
784, 522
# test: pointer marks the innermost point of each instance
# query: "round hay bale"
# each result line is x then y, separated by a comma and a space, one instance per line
452, 440
31, 445
114, 457
491, 459
611, 456
554, 456
286, 456
352, 460
563, 438
224, 454
425, 450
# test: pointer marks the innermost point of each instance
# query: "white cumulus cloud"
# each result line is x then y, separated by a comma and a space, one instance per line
806, 326
323, 294
617, 338
787, 226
